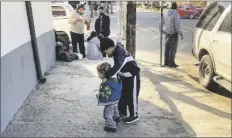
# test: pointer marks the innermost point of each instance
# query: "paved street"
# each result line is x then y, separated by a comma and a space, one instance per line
171, 102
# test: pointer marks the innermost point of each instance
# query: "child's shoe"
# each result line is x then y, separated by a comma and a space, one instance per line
109, 129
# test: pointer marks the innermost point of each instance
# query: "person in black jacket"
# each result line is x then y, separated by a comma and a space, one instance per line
102, 24
127, 70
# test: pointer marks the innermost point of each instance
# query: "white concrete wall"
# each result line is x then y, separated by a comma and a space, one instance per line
14, 26
18, 75
42, 17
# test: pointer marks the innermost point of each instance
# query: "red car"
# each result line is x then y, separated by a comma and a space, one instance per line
188, 11
200, 9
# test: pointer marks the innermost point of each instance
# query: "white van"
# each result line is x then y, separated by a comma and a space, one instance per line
60, 13
212, 45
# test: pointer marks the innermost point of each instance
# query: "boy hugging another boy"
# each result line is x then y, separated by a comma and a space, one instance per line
109, 96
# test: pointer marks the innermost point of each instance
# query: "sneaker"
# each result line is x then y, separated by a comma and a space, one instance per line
117, 119
174, 65
130, 120
165, 64
109, 129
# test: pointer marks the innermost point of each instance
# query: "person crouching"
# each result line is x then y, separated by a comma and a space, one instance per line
93, 47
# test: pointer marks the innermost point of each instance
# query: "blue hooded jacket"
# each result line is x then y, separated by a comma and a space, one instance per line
115, 88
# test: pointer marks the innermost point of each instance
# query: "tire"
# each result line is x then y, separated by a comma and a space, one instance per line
206, 72
191, 16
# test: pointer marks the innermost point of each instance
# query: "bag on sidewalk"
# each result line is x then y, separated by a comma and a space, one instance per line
65, 56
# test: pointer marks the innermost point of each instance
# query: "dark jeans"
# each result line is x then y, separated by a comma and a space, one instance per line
171, 42
78, 38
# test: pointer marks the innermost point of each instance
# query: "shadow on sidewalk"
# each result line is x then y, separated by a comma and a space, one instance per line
216, 89
167, 94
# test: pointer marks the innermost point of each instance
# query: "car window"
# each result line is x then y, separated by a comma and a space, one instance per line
226, 24
58, 11
180, 7
210, 16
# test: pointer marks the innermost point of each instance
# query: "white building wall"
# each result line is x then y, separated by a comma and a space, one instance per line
18, 74
42, 17
14, 26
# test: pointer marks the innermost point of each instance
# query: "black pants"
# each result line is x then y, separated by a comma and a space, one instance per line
78, 38
171, 42
129, 97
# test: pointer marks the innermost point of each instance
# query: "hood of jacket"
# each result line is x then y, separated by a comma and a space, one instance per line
115, 84
93, 40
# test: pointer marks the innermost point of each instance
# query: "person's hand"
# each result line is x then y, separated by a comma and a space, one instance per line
181, 36
104, 80
101, 35
79, 20
98, 95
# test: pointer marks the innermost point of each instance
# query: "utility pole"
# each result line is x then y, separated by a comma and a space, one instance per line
131, 28
161, 34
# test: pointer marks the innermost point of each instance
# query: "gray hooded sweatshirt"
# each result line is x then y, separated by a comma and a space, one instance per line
93, 49
171, 22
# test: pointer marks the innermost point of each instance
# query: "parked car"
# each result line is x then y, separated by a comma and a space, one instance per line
60, 13
199, 9
212, 45
188, 11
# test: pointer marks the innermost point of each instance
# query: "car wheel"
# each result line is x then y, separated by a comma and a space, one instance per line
206, 72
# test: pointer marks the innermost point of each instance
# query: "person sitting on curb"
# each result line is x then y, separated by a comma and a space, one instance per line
108, 96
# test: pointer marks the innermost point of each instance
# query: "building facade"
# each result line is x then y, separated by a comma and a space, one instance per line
18, 71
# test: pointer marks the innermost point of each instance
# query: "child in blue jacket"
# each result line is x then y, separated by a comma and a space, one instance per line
109, 96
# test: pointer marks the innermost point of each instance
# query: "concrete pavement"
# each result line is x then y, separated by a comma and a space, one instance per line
170, 105
65, 106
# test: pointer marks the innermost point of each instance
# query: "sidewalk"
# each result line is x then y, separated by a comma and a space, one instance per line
65, 106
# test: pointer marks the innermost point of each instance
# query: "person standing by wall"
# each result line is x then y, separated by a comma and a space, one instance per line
171, 22
78, 21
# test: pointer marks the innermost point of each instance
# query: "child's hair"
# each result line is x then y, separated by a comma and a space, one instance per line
103, 67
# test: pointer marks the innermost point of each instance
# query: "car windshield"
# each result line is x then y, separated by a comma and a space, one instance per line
225, 4
58, 11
